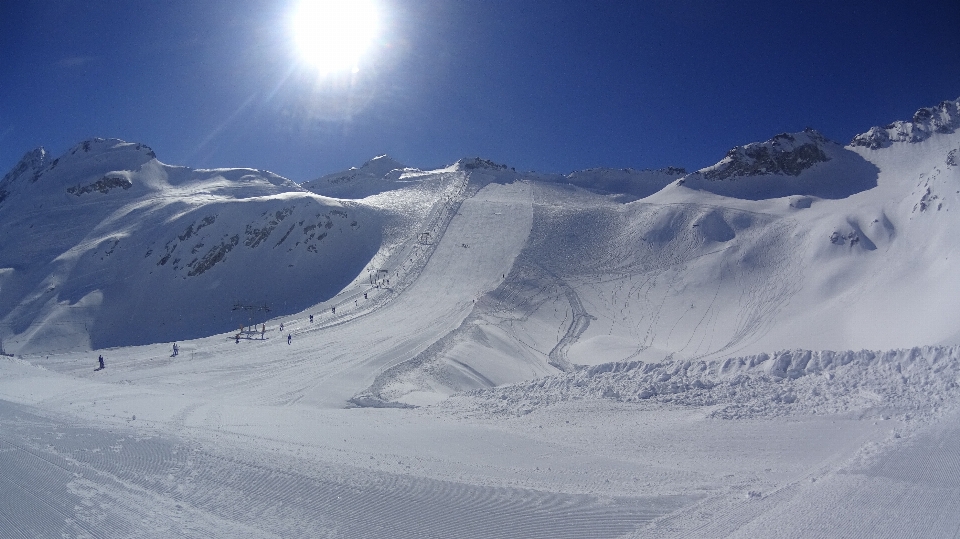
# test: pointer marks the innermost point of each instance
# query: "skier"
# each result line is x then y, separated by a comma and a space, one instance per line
263, 332
281, 326
289, 338
176, 350
311, 318
333, 310
101, 362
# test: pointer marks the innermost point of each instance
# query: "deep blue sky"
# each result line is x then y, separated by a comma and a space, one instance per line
548, 85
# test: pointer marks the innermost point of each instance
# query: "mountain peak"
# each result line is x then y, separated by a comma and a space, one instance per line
943, 118
33, 161
30, 166
804, 163
474, 163
379, 166
104, 145
625, 181
786, 154
357, 182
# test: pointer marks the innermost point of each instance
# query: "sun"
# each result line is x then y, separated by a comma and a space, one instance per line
333, 35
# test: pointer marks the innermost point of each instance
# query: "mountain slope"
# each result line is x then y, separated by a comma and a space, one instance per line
795, 242
658, 367
804, 163
690, 273
107, 246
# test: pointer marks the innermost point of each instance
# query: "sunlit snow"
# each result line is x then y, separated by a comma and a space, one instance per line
765, 347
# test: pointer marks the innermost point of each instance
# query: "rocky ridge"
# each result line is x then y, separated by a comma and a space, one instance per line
30, 165
943, 118
786, 154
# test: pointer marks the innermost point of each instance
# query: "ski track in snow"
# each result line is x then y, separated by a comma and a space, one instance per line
96, 483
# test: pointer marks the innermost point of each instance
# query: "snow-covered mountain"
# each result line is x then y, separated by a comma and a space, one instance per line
106, 246
944, 118
476, 351
797, 242
804, 163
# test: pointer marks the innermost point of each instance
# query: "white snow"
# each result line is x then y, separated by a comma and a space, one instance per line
767, 347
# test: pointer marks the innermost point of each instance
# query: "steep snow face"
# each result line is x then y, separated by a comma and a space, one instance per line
944, 118
376, 176
804, 163
110, 247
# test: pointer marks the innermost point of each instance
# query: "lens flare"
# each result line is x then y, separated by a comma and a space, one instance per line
333, 35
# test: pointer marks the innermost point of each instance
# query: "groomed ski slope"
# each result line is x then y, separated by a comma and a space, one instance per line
552, 361
101, 459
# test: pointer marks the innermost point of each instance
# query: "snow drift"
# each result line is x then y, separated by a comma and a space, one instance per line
789, 382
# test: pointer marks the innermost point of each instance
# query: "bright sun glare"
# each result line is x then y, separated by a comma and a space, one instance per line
332, 35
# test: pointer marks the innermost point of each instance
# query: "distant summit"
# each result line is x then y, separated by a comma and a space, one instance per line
474, 163
29, 166
100, 145
625, 181
380, 165
85, 163
943, 118
369, 179
31, 163
787, 154
804, 163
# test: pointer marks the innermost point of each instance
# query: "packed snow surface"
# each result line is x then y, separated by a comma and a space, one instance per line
764, 347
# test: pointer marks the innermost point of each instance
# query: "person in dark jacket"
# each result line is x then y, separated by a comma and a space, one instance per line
101, 361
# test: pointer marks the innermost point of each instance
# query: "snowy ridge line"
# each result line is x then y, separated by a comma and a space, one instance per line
943, 118
913, 382
785, 154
